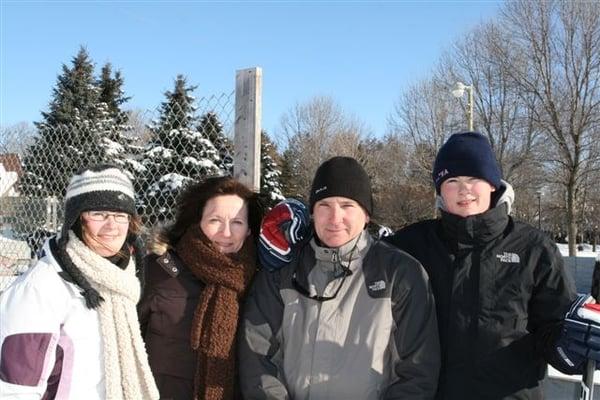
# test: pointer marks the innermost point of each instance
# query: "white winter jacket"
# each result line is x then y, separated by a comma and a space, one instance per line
51, 345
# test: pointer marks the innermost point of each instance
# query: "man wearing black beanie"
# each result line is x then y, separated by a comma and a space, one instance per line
339, 315
500, 286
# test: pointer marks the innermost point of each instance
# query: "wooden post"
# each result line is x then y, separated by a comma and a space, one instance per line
247, 127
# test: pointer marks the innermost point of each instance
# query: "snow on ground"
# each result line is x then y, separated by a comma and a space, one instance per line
583, 250
13, 250
14, 259
559, 386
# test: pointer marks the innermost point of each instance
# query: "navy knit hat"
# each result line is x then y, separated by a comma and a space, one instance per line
344, 177
466, 154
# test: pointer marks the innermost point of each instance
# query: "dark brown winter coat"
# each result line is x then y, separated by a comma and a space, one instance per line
166, 312
189, 311
193, 291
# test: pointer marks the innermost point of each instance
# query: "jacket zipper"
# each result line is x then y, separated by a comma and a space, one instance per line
334, 258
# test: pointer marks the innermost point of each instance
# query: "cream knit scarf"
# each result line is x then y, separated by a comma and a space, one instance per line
127, 373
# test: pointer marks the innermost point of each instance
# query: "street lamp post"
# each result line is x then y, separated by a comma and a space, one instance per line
539, 196
459, 91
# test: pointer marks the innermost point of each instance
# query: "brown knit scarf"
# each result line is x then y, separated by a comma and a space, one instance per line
227, 276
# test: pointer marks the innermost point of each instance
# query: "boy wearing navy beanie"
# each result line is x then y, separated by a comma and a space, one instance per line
466, 175
500, 286
466, 154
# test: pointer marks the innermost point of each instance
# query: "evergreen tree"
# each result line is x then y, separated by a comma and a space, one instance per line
211, 128
111, 93
84, 124
67, 137
270, 173
113, 124
290, 176
177, 111
177, 154
75, 96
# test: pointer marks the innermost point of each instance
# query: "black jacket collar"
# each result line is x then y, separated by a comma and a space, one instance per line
475, 230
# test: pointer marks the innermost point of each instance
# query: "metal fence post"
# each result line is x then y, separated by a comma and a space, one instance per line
51, 214
247, 126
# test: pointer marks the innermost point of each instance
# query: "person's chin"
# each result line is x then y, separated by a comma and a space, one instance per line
104, 252
227, 249
468, 211
336, 240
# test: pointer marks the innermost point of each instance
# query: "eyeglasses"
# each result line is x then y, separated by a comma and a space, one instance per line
120, 218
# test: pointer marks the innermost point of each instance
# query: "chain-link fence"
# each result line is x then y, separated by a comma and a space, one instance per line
162, 150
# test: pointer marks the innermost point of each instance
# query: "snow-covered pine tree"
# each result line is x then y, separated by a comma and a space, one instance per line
177, 154
112, 94
113, 124
75, 96
212, 129
67, 138
270, 172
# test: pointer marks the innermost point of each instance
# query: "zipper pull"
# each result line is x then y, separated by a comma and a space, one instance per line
335, 257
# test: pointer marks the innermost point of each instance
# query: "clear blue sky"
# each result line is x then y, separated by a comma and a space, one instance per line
363, 54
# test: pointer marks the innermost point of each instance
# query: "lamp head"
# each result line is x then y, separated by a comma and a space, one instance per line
459, 89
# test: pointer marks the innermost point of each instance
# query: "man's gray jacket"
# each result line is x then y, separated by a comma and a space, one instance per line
357, 322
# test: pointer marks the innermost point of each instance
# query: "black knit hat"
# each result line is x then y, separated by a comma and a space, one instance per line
100, 187
344, 177
466, 154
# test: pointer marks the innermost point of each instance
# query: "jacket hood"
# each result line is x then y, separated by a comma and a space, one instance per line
504, 195
158, 243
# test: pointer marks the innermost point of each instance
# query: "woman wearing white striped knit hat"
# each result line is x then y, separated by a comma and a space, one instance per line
69, 326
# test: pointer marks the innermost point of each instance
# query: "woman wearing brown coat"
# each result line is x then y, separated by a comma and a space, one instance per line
196, 275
